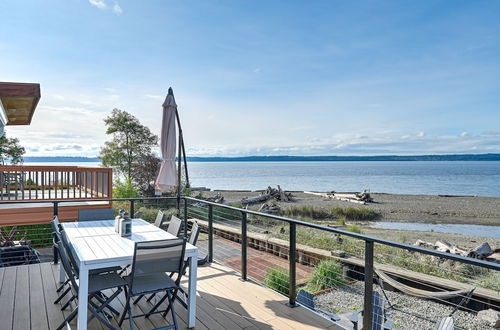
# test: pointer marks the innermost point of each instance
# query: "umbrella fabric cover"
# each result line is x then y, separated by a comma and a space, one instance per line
167, 177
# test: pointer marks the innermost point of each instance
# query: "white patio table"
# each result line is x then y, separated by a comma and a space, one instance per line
97, 245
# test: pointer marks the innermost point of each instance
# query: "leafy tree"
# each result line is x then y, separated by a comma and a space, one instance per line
145, 174
11, 150
124, 189
131, 143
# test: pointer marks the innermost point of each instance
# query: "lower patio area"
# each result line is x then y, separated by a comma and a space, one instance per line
224, 302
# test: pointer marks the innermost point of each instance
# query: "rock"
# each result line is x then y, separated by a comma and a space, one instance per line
490, 316
482, 251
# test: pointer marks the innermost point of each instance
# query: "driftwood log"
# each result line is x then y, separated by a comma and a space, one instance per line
358, 198
271, 208
270, 193
483, 251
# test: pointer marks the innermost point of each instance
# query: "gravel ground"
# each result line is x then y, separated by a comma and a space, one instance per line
404, 208
350, 298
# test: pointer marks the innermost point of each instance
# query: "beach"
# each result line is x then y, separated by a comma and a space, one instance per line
426, 209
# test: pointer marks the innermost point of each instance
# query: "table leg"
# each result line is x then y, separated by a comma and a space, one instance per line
193, 276
83, 295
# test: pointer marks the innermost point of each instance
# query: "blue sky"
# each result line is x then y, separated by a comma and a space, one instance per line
261, 77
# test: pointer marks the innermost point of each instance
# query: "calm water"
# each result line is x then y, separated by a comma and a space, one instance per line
474, 230
457, 178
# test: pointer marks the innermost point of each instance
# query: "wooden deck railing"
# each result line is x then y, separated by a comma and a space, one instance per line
25, 182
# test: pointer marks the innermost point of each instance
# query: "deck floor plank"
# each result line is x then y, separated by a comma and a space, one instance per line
22, 299
38, 310
223, 301
7, 297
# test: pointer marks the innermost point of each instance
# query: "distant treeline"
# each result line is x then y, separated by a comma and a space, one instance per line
468, 157
464, 157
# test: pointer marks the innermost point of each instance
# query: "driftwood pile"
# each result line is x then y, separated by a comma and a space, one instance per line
271, 208
483, 251
270, 193
358, 198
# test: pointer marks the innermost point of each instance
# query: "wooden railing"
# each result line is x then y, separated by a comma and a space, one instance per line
25, 182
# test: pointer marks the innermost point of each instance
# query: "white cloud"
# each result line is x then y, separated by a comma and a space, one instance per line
117, 9
98, 4
155, 97
421, 134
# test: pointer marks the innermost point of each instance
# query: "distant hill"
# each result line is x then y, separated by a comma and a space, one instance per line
463, 157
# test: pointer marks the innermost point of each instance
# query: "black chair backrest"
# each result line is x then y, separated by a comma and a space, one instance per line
55, 229
160, 217
67, 246
195, 233
68, 268
155, 257
97, 214
174, 227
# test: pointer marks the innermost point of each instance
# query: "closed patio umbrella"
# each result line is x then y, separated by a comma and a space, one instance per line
167, 177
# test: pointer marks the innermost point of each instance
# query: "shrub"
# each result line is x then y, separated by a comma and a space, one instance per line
327, 274
124, 189
354, 228
277, 279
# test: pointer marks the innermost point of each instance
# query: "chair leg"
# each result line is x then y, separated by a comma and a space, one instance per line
68, 302
151, 297
138, 299
156, 306
70, 317
59, 289
171, 307
125, 309
62, 295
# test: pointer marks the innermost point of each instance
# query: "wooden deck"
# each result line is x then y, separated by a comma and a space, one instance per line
37, 213
224, 302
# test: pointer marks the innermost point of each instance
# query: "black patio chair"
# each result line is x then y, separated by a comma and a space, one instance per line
193, 239
151, 263
64, 244
97, 284
174, 227
160, 218
97, 214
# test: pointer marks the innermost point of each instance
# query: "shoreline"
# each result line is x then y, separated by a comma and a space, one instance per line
405, 208
431, 209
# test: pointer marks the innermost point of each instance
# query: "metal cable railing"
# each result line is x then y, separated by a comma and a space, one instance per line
342, 270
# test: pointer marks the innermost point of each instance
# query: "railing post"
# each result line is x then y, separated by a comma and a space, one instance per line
132, 208
244, 246
56, 209
292, 257
210, 233
185, 218
368, 297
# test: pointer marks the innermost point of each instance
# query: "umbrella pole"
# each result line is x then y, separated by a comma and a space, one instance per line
179, 176
181, 145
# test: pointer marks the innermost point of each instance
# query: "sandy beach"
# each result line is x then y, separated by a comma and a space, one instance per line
407, 208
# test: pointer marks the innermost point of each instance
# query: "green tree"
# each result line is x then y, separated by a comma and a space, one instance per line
130, 144
11, 150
